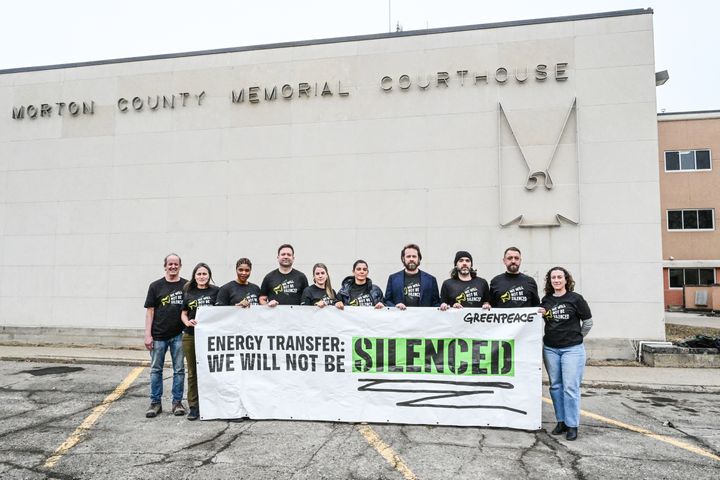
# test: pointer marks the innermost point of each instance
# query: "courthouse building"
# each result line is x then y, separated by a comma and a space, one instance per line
540, 134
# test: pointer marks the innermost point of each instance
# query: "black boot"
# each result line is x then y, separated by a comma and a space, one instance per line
571, 433
559, 428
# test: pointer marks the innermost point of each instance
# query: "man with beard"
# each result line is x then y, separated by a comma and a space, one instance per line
464, 288
285, 285
411, 287
513, 289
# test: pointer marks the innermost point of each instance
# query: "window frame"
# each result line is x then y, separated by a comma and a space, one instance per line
684, 281
686, 170
682, 215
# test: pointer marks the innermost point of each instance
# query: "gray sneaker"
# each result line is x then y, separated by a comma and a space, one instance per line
178, 410
154, 410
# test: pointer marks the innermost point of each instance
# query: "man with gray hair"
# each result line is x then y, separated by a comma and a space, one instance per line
163, 331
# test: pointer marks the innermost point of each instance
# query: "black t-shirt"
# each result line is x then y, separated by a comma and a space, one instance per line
167, 299
472, 293
313, 294
563, 318
513, 290
233, 293
360, 295
411, 289
196, 298
287, 289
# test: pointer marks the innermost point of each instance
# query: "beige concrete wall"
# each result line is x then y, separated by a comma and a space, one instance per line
90, 204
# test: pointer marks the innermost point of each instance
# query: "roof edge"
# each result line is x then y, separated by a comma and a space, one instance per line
301, 43
688, 115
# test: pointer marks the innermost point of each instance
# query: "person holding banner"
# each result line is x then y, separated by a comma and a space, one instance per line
567, 321
513, 289
283, 286
411, 287
198, 292
239, 292
358, 290
320, 293
464, 288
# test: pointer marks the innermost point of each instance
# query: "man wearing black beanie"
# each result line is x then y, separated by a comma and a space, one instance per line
464, 288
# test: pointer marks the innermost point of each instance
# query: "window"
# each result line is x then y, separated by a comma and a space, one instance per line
679, 277
687, 160
700, 219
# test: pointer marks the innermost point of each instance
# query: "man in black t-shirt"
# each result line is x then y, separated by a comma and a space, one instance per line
163, 331
464, 288
513, 289
285, 285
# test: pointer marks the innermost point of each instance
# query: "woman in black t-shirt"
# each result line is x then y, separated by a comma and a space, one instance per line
320, 293
358, 290
198, 292
240, 292
567, 321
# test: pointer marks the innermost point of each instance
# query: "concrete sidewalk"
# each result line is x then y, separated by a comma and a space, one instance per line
692, 319
700, 380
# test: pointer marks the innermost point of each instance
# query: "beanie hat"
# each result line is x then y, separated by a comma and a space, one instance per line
462, 254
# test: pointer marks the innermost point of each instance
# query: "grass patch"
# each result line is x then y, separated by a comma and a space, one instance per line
677, 333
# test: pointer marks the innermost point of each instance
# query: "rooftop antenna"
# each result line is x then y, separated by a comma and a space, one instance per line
389, 16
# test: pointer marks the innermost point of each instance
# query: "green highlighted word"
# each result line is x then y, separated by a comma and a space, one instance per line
446, 356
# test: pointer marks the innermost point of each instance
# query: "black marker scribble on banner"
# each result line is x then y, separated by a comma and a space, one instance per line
418, 402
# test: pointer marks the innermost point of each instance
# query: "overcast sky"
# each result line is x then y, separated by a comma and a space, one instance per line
48, 32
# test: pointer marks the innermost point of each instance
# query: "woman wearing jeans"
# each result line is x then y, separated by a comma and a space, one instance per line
567, 321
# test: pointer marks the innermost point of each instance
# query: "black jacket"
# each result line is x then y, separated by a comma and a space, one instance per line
343, 295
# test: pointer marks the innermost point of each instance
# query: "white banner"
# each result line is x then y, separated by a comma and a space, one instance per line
420, 366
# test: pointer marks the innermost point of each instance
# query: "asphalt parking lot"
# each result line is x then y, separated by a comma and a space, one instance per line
46, 407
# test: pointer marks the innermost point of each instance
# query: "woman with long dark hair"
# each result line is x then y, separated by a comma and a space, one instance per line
567, 321
358, 290
320, 293
198, 292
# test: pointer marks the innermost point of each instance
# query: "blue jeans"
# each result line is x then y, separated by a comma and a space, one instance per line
157, 361
565, 367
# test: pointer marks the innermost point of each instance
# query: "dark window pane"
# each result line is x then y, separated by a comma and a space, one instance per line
676, 277
690, 219
674, 220
691, 276
707, 276
672, 161
687, 160
702, 157
705, 218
